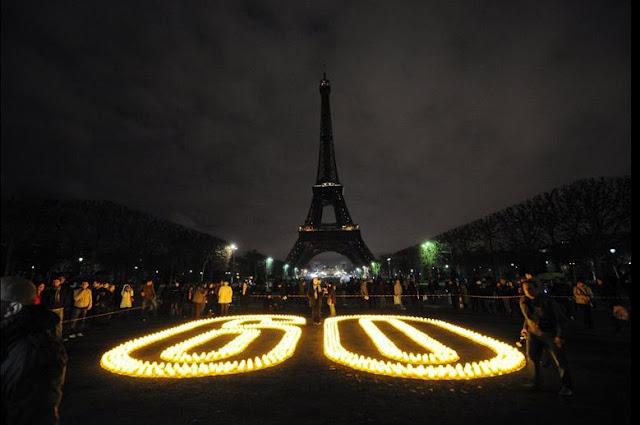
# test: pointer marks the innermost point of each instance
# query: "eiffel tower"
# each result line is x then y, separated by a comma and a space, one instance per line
343, 235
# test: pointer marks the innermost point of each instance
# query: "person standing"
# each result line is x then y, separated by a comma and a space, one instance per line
175, 300
102, 300
39, 290
397, 294
364, 292
543, 327
212, 297
582, 296
225, 295
315, 300
34, 360
82, 303
54, 300
127, 297
331, 299
244, 294
199, 299
148, 294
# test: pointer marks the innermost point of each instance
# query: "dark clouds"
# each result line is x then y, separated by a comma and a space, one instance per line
207, 113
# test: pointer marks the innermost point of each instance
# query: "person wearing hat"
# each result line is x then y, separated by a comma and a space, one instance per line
543, 327
34, 360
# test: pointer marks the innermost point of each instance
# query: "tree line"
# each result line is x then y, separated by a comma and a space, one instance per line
86, 237
575, 227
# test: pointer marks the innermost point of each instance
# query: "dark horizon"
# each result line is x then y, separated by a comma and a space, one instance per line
208, 115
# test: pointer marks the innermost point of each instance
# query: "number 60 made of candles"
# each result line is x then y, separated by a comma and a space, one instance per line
182, 360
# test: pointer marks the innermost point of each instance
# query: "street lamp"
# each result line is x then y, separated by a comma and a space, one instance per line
612, 250
389, 264
80, 259
267, 266
233, 248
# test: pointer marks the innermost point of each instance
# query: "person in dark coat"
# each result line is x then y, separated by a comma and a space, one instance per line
315, 296
54, 298
34, 360
544, 324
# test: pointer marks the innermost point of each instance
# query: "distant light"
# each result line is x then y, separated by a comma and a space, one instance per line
512, 264
612, 250
135, 267
190, 270
446, 266
33, 267
201, 273
269, 260
546, 262
156, 271
234, 246
389, 259
80, 259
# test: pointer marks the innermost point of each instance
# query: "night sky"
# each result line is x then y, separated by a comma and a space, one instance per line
207, 113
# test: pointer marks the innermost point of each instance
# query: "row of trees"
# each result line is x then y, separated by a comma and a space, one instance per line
577, 225
41, 237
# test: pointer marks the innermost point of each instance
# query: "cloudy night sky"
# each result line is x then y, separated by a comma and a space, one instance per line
208, 113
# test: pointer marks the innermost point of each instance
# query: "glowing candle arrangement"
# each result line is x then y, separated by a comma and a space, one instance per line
178, 363
436, 365
440, 353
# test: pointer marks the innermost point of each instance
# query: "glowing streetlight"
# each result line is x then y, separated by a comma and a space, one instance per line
233, 248
80, 259
612, 250
268, 262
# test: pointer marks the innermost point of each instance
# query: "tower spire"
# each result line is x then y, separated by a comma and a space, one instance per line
327, 169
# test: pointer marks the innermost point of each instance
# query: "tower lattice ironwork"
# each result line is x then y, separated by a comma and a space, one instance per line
315, 236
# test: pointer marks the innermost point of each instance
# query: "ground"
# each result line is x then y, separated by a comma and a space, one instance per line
310, 389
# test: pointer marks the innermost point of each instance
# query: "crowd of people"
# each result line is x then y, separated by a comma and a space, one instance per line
98, 300
81, 300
